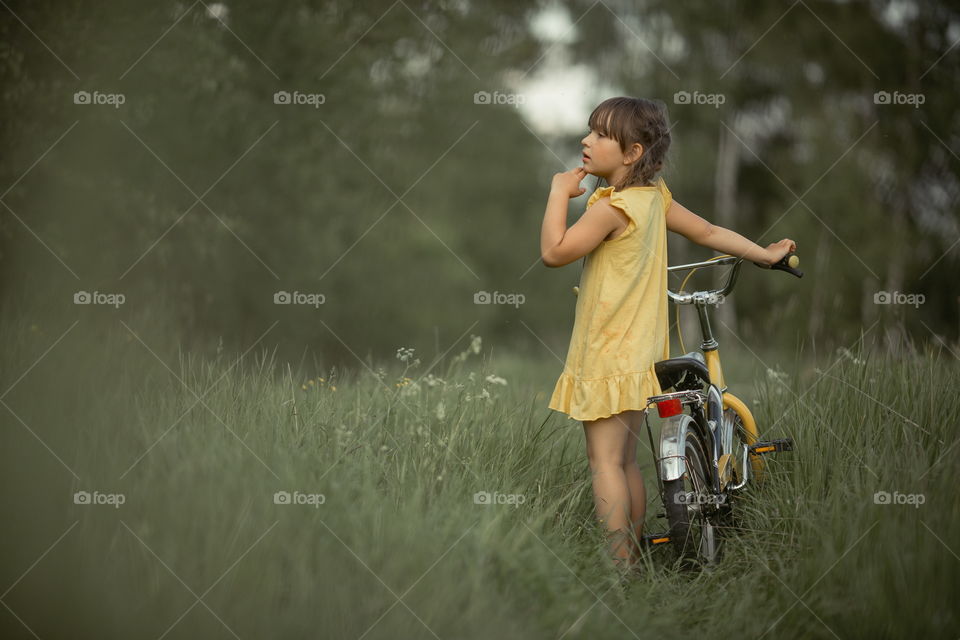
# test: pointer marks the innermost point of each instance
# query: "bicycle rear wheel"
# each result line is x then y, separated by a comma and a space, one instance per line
687, 501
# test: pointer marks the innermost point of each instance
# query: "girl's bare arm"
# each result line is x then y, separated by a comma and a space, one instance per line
694, 228
560, 246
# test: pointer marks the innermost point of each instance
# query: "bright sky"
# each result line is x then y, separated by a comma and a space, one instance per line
559, 96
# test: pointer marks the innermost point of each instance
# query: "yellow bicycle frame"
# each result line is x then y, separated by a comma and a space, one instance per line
731, 401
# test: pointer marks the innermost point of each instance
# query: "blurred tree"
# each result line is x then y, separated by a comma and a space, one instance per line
399, 197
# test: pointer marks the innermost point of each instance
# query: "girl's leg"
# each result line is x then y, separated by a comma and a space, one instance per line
631, 471
606, 439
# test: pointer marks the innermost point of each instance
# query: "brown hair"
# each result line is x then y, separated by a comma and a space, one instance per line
630, 120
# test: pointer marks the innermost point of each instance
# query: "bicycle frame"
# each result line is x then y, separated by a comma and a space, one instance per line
711, 352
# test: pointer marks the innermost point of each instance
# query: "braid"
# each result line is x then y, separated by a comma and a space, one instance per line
651, 162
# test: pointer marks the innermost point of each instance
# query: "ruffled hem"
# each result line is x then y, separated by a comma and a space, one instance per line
603, 397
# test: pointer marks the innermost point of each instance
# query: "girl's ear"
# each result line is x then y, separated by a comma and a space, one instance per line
633, 154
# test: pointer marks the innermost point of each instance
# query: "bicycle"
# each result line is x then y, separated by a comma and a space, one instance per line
699, 466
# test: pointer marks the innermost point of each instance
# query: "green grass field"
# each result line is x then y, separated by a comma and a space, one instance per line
379, 534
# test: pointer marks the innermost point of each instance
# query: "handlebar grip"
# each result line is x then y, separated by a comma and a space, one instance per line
788, 263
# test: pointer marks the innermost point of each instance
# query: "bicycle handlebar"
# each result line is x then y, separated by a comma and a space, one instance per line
788, 263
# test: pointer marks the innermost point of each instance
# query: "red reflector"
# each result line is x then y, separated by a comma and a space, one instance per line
671, 407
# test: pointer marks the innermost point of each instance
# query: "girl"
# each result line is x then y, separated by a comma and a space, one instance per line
621, 327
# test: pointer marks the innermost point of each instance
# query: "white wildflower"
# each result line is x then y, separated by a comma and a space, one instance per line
494, 379
776, 375
475, 342
433, 381
404, 354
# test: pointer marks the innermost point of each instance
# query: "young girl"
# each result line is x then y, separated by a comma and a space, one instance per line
621, 326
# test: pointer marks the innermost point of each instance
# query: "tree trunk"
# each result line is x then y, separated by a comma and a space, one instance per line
725, 206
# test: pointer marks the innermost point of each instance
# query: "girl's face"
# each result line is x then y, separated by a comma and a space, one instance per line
602, 156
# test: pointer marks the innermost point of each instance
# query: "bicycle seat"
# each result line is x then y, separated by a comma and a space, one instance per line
671, 372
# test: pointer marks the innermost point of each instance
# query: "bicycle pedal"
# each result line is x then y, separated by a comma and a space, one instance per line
769, 446
653, 539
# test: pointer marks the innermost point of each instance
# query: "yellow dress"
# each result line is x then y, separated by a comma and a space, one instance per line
621, 326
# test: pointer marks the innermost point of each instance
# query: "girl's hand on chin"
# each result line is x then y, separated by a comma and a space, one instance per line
568, 182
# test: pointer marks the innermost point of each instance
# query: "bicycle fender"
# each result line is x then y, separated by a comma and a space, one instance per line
673, 435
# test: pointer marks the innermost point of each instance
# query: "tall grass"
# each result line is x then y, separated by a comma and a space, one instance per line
398, 546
